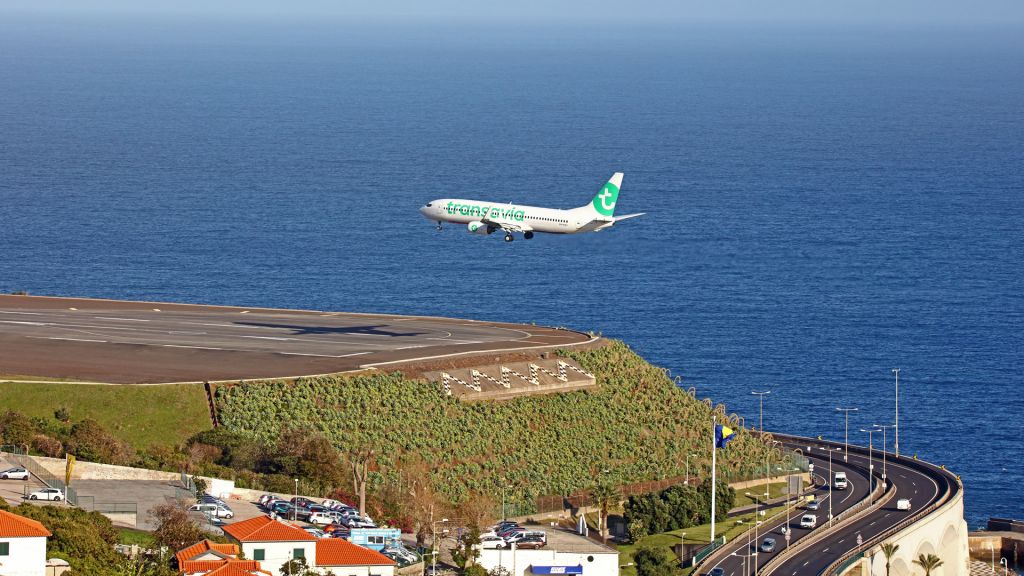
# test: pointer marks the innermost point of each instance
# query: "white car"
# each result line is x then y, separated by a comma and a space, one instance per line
903, 504
808, 521
321, 518
14, 474
47, 494
492, 542
212, 509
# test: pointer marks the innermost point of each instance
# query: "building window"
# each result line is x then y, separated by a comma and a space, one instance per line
299, 553
259, 554
5, 548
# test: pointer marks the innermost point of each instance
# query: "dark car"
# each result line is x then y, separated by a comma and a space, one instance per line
530, 542
302, 502
283, 509
716, 572
314, 508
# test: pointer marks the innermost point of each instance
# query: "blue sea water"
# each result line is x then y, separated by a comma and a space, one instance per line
822, 205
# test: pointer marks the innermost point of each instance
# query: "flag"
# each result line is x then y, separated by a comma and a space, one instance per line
723, 434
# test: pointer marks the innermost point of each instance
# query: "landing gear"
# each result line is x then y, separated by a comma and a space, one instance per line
528, 235
508, 237
439, 228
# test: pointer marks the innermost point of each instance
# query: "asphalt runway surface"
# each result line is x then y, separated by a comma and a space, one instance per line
145, 342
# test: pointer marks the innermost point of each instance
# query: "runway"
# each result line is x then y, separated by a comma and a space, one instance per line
146, 342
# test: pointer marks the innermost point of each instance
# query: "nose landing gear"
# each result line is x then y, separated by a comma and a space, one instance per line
439, 228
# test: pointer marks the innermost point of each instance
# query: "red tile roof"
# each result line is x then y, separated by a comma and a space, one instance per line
238, 568
14, 526
186, 562
266, 529
340, 552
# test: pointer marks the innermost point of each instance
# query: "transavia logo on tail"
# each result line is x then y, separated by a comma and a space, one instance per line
604, 202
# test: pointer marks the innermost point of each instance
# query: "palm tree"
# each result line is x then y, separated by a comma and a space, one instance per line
889, 550
604, 495
929, 563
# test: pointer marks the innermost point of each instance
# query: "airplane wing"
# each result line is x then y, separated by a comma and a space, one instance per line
508, 226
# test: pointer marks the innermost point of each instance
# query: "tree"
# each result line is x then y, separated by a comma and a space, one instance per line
16, 428
175, 529
652, 562
928, 563
467, 548
605, 495
90, 441
143, 566
200, 485
297, 567
85, 539
499, 571
475, 570
889, 550
359, 460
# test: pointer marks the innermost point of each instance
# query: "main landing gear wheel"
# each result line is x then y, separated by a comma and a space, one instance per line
439, 228
508, 237
528, 235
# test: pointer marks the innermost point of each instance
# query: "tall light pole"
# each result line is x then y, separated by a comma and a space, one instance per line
831, 480
761, 396
847, 436
896, 446
884, 445
871, 462
295, 502
433, 543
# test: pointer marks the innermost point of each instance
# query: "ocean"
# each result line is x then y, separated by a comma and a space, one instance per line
823, 205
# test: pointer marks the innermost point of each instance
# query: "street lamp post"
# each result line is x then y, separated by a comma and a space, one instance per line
871, 462
884, 445
433, 543
847, 436
831, 480
295, 502
896, 446
760, 396
1005, 565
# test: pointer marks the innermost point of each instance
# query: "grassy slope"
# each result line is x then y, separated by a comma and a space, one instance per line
141, 415
638, 425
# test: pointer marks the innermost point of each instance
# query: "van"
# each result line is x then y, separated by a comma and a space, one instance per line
213, 510
903, 504
839, 483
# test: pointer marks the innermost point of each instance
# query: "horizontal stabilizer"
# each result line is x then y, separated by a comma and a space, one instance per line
628, 216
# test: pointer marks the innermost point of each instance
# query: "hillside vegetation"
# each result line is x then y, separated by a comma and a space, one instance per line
636, 425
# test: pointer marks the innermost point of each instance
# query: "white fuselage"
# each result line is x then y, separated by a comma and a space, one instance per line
533, 218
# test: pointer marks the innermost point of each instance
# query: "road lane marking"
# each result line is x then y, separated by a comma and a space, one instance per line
324, 355
123, 319
267, 337
195, 347
70, 339
25, 313
23, 322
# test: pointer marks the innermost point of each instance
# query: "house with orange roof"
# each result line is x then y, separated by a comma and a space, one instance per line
343, 558
206, 555
272, 541
22, 545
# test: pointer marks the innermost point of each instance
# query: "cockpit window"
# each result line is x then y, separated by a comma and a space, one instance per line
428, 204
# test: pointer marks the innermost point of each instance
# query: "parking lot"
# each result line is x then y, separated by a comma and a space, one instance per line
14, 491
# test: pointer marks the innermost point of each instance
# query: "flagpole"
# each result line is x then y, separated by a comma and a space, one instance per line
714, 486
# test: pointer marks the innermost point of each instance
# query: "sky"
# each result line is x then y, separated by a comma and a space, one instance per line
876, 12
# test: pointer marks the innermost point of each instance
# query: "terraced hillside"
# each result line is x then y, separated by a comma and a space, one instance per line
638, 424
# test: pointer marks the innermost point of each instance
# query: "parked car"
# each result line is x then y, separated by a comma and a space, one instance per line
47, 494
212, 509
301, 502
492, 542
808, 521
903, 504
357, 522
283, 509
316, 532
337, 530
320, 519
334, 504
14, 474
266, 498
526, 534
768, 545
530, 542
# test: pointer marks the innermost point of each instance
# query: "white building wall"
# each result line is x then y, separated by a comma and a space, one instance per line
518, 563
277, 553
27, 557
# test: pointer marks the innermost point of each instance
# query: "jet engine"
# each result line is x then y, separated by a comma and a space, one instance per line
477, 227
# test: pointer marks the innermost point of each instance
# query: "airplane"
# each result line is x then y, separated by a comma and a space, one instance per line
486, 217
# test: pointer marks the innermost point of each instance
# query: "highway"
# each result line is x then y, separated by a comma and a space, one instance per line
923, 484
142, 342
